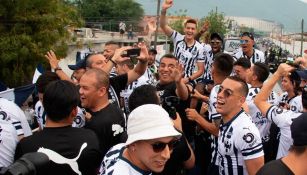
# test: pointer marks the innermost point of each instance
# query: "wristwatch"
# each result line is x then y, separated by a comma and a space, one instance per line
57, 68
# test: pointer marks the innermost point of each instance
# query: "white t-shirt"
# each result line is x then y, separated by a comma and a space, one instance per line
40, 115
115, 164
283, 119
261, 122
16, 115
8, 142
188, 56
295, 103
239, 140
258, 56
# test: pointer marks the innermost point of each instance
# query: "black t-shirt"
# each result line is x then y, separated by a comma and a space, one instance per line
108, 124
66, 141
275, 167
180, 154
117, 84
167, 90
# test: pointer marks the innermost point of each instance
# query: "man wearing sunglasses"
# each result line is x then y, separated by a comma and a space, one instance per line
247, 49
151, 139
221, 68
239, 142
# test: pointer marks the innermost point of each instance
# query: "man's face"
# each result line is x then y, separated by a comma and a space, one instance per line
89, 93
189, 30
216, 45
109, 50
167, 66
153, 161
77, 74
241, 72
151, 58
247, 44
250, 75
229, 98
98, 61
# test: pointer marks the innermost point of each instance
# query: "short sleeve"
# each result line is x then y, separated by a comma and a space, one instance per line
249, 143
176, 36
278, 115
202, 54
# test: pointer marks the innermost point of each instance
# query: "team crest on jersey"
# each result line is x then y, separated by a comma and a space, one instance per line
279, 110
117, 129
4, 116
249, 138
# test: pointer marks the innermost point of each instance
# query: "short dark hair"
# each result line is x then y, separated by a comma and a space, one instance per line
60, 98
244, 87
128, 63
223, 64
243, 62
43, 80
153, 51
112, 43
193, 21
248, 34
145, 94
262, 71
168, 55
298, 149
304, 98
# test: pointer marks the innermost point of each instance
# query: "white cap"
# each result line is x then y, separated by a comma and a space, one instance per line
149, 122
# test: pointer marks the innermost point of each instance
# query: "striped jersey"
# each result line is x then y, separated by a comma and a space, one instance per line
238, 140
188, 56
283, 119
214, 115
115, 164
40, 115
208, 61
258, 56
261, 122
295, 103
16, 115
8, 142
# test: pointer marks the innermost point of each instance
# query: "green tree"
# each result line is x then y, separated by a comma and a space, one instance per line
111, 12
178, 24
28, 29
217, 21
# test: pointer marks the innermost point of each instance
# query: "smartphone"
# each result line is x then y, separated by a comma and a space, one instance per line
135, 52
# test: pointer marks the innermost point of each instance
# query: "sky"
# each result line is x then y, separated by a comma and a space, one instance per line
288, 12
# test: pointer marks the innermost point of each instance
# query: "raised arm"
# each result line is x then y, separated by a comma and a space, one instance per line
117, 58
54, 64
163, 22
182, 90
141, 66
261, 99
203, 29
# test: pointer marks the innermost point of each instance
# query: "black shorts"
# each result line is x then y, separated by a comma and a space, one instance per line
121, 31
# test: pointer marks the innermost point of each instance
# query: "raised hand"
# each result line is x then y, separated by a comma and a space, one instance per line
167, 4
152, 26
144, 52
53, 61
177, 73
205, 26
117, 58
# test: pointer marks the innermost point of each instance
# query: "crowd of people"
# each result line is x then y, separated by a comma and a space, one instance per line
199, 111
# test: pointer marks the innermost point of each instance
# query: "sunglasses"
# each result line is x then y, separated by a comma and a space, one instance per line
243, 41
160, 146
227, 92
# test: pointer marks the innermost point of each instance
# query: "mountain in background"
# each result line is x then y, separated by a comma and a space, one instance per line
288, 12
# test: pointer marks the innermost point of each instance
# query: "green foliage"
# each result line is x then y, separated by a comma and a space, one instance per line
28, 29
111, 12
217, 21
178, 24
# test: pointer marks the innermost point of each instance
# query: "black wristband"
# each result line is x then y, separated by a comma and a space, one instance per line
57, 68
189, 78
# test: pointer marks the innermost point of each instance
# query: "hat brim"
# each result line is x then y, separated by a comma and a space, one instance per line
302, 74
73, 67
148, 134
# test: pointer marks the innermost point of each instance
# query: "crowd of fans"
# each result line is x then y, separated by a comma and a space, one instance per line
199, 111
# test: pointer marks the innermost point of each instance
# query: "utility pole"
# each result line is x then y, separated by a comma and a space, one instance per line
280, 36
302, 37
158, 23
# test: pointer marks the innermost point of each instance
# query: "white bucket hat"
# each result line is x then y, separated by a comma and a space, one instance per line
149, 122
